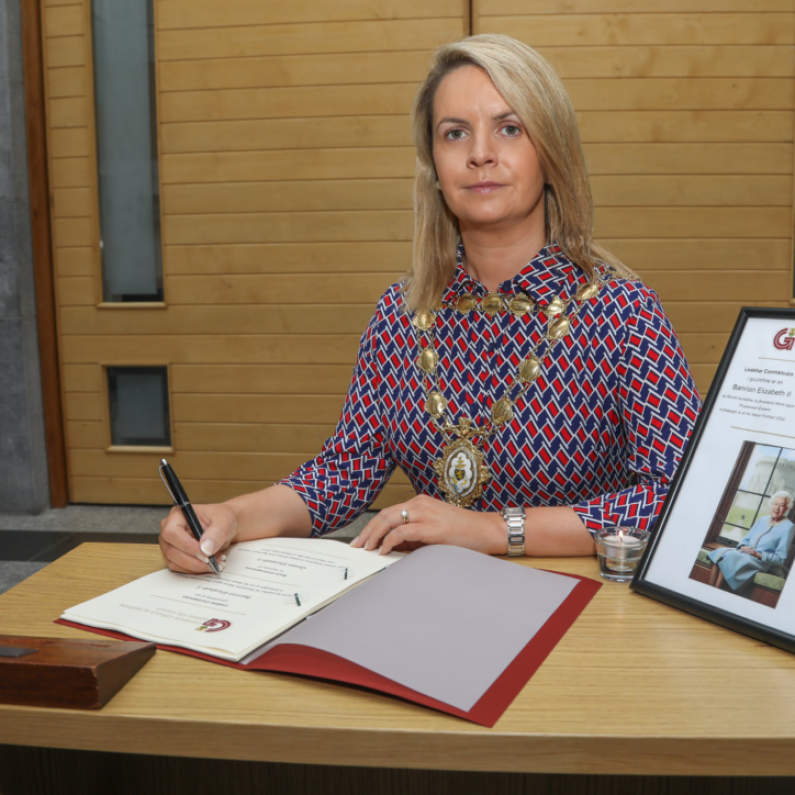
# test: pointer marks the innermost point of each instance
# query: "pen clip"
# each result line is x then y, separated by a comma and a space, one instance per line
165, 483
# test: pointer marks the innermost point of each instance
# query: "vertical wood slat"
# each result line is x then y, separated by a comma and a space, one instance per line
93, 154
33, 66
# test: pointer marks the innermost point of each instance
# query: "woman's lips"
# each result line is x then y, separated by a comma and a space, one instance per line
485, 187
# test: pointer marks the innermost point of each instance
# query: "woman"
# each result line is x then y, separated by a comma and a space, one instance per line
765, 546
529, 404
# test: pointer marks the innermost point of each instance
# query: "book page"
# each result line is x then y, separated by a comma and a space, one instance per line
267, 586
446, 622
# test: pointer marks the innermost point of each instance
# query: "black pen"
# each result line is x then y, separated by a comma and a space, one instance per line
181, 500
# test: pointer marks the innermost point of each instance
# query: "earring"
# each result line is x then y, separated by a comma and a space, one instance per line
438, 186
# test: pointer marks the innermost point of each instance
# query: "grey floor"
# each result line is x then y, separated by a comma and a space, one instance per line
28, 543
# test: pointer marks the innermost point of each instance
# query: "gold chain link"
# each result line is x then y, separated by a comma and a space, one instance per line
558, 326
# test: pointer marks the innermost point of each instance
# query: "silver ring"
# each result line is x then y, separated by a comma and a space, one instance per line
405, 514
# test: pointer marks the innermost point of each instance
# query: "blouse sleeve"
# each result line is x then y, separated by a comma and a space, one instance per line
778, 556
658, 403
353, 466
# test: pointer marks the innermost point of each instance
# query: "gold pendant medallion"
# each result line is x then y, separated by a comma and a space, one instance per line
461, 472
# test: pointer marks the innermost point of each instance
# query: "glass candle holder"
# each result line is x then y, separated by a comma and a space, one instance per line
619, 550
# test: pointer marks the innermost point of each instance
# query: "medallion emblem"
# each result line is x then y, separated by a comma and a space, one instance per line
492, 304
461, 469
466, 303
461, 472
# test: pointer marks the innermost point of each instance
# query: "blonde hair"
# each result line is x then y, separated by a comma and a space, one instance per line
537, 96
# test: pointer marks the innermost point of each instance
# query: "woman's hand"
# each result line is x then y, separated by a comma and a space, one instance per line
182, 552
431, 521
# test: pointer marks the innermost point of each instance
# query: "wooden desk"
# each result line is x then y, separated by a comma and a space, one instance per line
635, 687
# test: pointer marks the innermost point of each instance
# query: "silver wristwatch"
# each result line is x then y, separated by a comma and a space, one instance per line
514, 518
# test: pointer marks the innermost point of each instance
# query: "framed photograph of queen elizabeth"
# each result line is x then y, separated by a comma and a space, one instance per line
724, 543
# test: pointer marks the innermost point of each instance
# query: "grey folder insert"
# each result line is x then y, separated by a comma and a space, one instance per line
444, 621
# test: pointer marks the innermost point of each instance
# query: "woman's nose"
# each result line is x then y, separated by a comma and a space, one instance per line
482, 151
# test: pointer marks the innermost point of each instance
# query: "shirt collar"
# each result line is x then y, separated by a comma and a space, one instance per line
549, 272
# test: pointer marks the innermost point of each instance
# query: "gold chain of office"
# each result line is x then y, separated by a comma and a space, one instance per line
461, 469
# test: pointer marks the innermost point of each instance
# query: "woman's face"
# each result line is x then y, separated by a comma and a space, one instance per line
486, 164
778, 509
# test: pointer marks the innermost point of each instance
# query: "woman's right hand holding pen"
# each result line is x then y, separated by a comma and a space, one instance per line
183, 553
275, 511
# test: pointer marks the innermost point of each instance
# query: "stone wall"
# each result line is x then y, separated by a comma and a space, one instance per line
23, 460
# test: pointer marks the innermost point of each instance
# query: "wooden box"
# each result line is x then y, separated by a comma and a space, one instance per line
79, 674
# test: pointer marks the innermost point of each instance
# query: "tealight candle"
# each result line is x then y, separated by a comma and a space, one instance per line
619, 550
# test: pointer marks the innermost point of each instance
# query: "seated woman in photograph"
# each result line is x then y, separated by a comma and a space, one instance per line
521, 376
766, 545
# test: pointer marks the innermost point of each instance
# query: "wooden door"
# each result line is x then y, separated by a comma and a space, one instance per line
285, 167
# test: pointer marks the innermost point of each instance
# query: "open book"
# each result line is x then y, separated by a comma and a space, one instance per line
267, 586
443, 626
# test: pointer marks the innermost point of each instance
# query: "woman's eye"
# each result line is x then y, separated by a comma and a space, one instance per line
511, 129
454, 135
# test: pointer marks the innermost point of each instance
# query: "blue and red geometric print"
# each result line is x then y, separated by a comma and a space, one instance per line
602, 429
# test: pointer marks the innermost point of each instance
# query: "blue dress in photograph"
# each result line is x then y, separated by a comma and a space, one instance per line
772, 541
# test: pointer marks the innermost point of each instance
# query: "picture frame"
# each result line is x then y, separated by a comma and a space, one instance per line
723, 546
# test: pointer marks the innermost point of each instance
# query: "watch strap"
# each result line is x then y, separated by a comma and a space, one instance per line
514, 519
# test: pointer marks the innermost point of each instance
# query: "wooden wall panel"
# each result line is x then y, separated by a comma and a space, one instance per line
250, 135
637, 28
307, 38
671, 61
491, 7
294, 164
337, 69
186, 14
685, 126
326, 257
285, 167
686, 114
233, 317
656, 155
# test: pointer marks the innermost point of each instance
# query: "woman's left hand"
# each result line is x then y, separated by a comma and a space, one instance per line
432, 521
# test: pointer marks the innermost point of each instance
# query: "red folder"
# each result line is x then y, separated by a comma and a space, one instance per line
304, 660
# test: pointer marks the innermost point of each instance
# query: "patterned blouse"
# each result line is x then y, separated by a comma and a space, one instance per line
601, 430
